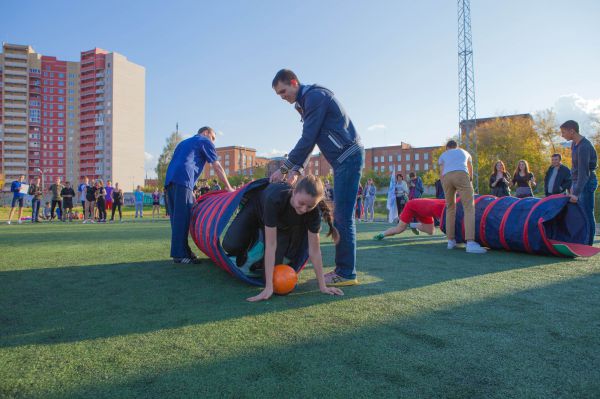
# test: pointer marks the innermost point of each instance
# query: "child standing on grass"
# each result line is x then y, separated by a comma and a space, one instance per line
156, 203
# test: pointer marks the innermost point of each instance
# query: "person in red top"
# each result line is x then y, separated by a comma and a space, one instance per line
422, 209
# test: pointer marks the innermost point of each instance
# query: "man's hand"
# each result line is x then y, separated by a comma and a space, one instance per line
277, 176
292, 177
332, 291
573, 199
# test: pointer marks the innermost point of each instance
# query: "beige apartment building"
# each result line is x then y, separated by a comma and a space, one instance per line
71, 119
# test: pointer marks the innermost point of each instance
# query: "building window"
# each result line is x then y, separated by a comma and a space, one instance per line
376, 159
408, 167
399, 168
376, 168
426, 166
408, 157
416, 167
61, 83
390, 158
416, 157
399, 158
426, 156
381, 159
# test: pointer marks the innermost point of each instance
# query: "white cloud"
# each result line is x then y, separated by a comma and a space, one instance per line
150, 162
377, 126
585, 111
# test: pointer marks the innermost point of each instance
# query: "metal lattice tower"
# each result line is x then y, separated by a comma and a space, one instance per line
466, 86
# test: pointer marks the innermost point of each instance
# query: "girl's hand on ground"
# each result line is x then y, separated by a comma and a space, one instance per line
332, 291
263, 296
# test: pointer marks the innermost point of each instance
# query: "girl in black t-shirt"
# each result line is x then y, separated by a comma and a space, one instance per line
101, 201
524, 180
287, 215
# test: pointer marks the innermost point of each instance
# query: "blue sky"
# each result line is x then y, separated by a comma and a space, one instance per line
393, 64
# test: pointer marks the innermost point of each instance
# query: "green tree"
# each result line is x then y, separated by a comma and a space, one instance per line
165, 157
509, 140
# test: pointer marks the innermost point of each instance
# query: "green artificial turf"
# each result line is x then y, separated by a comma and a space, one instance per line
99, 311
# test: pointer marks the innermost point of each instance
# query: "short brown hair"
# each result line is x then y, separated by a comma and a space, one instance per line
285, 76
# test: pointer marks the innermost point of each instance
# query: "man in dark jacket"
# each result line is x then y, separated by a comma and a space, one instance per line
558, 177
583, 172
326, 124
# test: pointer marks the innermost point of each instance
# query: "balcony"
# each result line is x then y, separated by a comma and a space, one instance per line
16, 64
13, 105
99, 147
99, 91
8, 155
15, 89
22, 97
18, 56
21, 114
87, 85
100, 75
99, 123
22, 81
14, 147
13, 122
17, 164
99, 107
14, 130
99, 99
14, 173
99, 156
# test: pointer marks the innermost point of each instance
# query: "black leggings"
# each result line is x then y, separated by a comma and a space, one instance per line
400, 203
101, 204
114, 207
244, 232
55, 203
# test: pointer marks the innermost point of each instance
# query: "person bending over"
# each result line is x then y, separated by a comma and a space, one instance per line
287, 216
425, 210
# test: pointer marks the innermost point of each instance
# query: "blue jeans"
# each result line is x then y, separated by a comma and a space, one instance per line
180, 201
346, 178
586, 200
139, 209
35, 209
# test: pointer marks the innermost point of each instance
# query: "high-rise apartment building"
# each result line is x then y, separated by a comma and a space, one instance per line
71, 119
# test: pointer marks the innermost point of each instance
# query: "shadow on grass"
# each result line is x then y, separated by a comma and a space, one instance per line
540, 342
69, 304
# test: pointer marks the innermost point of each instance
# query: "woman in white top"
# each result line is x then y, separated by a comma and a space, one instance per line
401, 192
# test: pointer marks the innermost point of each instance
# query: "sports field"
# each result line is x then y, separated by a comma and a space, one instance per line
99, 311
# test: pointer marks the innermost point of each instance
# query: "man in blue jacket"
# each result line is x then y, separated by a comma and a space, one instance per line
185, 167
18, 197
326, 124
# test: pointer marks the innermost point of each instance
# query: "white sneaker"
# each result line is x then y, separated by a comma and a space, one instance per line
20, 221
8, 222
451, 244
474, 248
84, 221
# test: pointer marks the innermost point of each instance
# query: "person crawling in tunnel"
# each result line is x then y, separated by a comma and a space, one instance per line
286, 217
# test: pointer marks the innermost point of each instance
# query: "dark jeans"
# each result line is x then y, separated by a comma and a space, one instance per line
586, 200
400, 202
55, 203
243, 233
180, 200
35, 209
101, 204
346, 178
358, 212
114, 208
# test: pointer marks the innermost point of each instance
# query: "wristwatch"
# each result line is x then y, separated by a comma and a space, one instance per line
284, 170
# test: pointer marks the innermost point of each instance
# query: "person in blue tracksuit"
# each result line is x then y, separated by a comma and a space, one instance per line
326, 124
184, 169
18, 198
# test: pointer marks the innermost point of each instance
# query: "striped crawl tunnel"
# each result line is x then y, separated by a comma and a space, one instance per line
544, 226
212, 214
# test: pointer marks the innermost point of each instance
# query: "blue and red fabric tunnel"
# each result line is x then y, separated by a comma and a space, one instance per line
546, 226
211, 215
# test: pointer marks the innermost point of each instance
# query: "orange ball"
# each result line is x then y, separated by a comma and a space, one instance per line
284, 279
